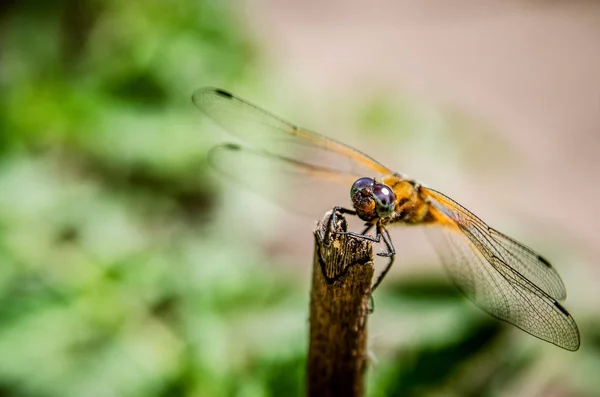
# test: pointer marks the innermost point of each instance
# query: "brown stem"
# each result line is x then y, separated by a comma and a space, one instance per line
339, 305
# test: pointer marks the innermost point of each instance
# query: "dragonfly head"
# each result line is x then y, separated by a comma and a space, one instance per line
372, 200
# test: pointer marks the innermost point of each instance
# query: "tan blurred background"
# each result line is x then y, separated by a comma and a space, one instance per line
129, 268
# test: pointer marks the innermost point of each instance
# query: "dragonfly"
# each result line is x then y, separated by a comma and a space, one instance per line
500, 275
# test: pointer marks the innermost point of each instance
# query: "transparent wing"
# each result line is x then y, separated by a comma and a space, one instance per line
492, 243
274, 135
501, 291
499, 274
221, 157
289, 183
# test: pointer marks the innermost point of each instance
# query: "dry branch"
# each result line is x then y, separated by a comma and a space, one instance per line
339, 306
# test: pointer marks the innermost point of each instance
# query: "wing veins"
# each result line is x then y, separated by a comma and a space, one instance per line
237, 116
493, 260
529, 306
546, 299
476, 242
534, 265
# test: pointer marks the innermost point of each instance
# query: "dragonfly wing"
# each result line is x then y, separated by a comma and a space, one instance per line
530, 264
470, 272
285, 181
266, 131
502, 276
503, 292
492, 244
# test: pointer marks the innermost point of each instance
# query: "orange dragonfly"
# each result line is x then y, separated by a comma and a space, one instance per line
503, 277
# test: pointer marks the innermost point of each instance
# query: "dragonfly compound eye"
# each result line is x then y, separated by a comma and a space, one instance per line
363, 200
360, 185
385, 199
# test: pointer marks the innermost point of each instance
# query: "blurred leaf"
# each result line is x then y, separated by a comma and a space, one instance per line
432, 289
420, 371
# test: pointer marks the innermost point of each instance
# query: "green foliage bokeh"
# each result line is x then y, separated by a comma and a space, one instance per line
116, 277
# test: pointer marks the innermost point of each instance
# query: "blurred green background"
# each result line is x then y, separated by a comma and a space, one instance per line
128, 269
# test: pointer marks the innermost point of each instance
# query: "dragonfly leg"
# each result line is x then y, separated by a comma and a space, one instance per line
365, 236
333, 218
369, 227
381, 233
339, 210
375, 239
391, 253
